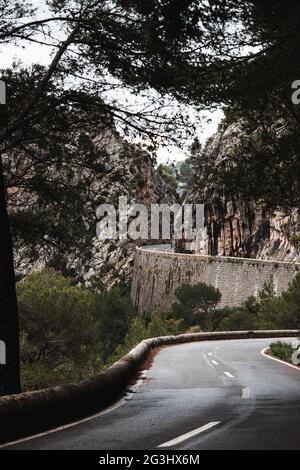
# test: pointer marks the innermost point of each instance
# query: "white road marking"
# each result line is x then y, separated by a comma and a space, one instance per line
63, 428
210, 354
189, 435
215, 363
208, 362
246, 393
229, 375
128, 397
135, 388
263, 352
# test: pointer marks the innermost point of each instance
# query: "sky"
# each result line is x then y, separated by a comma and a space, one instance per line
35, 53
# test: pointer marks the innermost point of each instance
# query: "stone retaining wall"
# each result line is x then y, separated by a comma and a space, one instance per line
157, 276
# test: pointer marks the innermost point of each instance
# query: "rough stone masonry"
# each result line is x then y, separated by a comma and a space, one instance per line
158, 275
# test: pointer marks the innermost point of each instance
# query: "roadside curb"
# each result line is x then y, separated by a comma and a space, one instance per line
264, 353
35, 412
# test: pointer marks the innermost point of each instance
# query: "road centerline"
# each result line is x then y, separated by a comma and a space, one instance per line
229, 375
189, 435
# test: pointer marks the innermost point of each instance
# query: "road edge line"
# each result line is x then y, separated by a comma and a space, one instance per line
65, 426
263, 353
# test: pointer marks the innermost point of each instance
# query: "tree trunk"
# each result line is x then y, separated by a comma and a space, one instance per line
9, 325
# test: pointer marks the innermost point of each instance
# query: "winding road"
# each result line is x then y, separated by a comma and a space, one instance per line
196, 396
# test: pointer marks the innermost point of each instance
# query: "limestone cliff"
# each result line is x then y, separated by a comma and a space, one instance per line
126, 170
235, 228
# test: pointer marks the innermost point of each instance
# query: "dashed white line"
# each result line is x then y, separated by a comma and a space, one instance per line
215, 363
189, 435
229, 375
246, 393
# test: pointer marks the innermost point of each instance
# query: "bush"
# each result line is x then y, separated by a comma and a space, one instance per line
157, 324
196, 304
70, 333
240, 318
266, 313
60, 333
115, 312
283, 351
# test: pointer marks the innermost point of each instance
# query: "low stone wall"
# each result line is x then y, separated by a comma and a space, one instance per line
157, 276
34, 412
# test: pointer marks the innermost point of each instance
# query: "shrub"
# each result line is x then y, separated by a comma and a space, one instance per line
268, 312
283, 351
115, 313
196, 305
60, 334
157, 324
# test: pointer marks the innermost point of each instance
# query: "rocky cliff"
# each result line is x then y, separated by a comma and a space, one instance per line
235, 228
126, 170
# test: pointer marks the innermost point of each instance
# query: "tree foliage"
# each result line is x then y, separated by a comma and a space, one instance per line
266, 313
189, 168
60, 331
196, 304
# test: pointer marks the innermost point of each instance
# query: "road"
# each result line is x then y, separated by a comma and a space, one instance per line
157, 248
212, 395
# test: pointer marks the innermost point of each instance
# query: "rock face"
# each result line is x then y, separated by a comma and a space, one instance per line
234, 228
128, 171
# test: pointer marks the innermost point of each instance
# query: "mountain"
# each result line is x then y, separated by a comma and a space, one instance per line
126, 170
235, 227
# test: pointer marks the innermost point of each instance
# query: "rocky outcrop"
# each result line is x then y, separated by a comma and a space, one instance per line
126, 170
235, 228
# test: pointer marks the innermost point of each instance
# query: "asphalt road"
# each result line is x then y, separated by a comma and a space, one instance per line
212, 395
157, 248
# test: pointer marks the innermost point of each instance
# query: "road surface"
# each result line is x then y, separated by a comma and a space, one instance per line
212, 395
157, 248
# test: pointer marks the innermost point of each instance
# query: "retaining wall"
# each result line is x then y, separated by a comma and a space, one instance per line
157, 276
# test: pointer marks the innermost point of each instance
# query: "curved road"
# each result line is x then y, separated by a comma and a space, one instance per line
211, 395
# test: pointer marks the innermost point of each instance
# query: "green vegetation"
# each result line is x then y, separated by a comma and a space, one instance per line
196, 304
295, 239
167, 174
189, 168
70, 333
282, 350
60, 331
156, 324
197, 307
268, 312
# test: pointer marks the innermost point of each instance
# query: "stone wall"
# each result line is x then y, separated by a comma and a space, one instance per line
157, 276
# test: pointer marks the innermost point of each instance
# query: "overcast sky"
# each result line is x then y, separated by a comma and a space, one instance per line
35, 53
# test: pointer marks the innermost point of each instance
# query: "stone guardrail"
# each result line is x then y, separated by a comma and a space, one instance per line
34, 412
